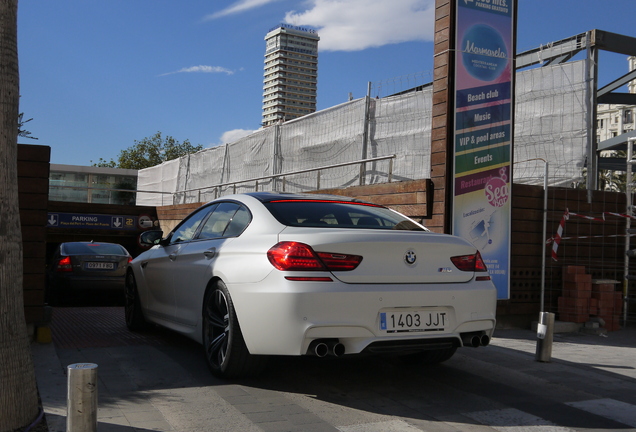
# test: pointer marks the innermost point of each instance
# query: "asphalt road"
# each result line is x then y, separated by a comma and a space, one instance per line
159, 381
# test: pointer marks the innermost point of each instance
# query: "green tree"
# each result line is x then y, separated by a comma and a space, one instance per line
615, 181
18, 390
608, 180
103, 163
150, 151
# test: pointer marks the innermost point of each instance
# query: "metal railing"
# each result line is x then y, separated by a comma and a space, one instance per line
283, 177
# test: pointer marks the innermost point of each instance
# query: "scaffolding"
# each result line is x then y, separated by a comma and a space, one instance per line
555, 109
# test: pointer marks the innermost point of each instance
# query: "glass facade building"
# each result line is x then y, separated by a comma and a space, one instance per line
73, 183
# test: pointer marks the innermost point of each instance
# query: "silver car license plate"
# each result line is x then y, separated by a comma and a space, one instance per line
413, 321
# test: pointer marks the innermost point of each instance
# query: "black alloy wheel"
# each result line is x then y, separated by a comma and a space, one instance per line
135, 320
226, 354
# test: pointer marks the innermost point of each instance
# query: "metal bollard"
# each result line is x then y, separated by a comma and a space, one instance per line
81, 398
545, 332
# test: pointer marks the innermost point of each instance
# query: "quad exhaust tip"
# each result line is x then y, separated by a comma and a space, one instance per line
484, 340
320, 349
324, 347
336, 349
475, 339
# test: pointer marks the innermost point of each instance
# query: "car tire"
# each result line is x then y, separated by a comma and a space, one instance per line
135, 320
429, 357
225, 350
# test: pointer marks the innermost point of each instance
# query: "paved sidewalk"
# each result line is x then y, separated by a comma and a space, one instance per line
127, 390
149, 386
614, 352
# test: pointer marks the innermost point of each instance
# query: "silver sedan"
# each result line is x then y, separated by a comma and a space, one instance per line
260, 274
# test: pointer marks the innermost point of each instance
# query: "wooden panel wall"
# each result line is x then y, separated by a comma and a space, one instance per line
412, 198
33, 191
441, 133
169, 216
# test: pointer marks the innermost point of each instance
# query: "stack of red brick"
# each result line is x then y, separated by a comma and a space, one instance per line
584, 298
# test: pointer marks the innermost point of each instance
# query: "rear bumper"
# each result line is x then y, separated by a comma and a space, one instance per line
279, 317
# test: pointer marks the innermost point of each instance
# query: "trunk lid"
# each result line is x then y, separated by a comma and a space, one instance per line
389, 256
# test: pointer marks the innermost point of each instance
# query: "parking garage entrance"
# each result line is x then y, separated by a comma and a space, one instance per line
97, 222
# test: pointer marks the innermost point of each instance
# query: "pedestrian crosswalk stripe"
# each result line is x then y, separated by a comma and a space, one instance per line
514, 420
609, 408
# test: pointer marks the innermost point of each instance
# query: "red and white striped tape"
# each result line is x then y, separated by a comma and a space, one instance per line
620, 215
556, 240
559, 233
586, 217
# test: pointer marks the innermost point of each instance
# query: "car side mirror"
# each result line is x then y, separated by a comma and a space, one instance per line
150, 238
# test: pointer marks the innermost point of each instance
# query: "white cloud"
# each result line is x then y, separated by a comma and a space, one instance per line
235, 135
238, 7
201, 69
352, 25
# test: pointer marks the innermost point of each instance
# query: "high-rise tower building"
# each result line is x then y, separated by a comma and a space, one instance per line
291, 73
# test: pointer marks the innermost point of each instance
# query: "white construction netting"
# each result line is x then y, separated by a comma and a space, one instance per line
550, 124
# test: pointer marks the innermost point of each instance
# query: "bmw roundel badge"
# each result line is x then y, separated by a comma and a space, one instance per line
410, 257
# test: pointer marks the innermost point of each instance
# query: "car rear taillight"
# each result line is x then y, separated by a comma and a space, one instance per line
64, 265
339, 262
471, 263
480, 265
295, 256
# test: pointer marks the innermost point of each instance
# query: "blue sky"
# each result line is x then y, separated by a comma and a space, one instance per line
98, 75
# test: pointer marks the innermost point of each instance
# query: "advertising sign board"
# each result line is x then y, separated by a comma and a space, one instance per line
483, 131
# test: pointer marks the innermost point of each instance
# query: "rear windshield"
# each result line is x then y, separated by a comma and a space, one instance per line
93, 249
335, 214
